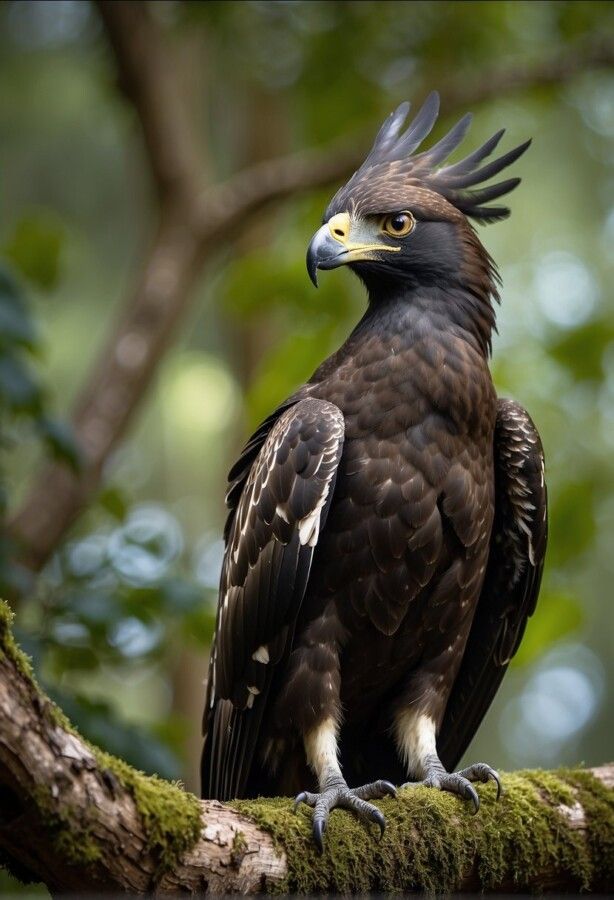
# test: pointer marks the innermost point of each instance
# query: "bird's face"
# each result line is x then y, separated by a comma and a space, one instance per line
408, 244
402, 219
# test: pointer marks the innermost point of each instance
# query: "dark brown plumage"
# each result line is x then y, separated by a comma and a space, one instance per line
387, 523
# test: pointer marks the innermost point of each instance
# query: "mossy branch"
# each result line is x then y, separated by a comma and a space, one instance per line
78, 819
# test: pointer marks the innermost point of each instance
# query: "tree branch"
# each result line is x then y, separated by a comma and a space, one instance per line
594, 52
193, 224
149, 83
78, 819
224, 206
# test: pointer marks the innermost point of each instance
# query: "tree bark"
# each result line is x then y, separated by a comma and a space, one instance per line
194, 222
79, 820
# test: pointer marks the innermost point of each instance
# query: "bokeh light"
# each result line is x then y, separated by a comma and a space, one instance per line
560, 698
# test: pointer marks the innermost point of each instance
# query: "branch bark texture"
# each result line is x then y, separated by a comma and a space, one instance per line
194, 221
80, 820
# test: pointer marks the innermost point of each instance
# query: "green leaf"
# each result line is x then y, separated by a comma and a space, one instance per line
143, 603
199, 625
582, 350
113, 500
18, 388
16, 326
64, 658
571, 521
60, 439
35, 249
557, 615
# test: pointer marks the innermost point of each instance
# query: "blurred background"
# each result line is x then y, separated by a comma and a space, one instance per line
149, 320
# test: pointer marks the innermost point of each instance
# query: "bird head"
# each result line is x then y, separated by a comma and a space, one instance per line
402, 217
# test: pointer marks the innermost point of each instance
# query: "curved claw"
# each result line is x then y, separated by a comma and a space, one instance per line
380, 820
472, 794
375, 791
484, 773
388, 788
460, 782
495, 777
300, 798
318, 829
339, 795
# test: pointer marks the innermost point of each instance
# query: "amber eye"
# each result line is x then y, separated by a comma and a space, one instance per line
399, 224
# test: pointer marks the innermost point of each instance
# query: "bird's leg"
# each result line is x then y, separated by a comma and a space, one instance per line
416, 739
322, 756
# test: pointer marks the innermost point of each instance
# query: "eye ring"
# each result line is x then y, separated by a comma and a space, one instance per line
399, 224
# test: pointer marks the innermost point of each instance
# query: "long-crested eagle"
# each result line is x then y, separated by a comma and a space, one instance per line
387, 523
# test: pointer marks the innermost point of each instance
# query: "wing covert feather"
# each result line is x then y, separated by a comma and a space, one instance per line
511, 583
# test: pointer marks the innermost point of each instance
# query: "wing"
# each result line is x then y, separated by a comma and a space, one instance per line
270, 544
511, 583
238, 475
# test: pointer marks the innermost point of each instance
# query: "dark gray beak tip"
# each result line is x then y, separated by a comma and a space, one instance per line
312, 266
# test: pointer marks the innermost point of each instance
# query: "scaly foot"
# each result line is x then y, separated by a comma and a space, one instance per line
336, 793
459, 782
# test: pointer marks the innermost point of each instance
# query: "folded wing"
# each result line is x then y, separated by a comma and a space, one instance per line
280, 512
512, 580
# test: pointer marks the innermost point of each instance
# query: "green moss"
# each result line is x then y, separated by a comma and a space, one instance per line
70, 837
171, 817
433, 842
239, 849
597, 800
8, 646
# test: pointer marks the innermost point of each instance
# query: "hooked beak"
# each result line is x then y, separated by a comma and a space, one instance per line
324, 252
342, 240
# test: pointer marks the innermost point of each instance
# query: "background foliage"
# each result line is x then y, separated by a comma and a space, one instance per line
118, 623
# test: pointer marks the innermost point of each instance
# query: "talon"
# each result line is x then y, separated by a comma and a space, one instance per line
472, 794
460, 783
337, 795
300, 798
388, 788
380, 820
319, 827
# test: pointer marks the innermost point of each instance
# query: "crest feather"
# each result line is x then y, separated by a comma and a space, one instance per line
390, 161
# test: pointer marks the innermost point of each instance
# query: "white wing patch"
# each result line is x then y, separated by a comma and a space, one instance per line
309, 525
281, 511
253, 693
261, 655
309, 528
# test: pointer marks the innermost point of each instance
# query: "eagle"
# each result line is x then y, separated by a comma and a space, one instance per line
387, 523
